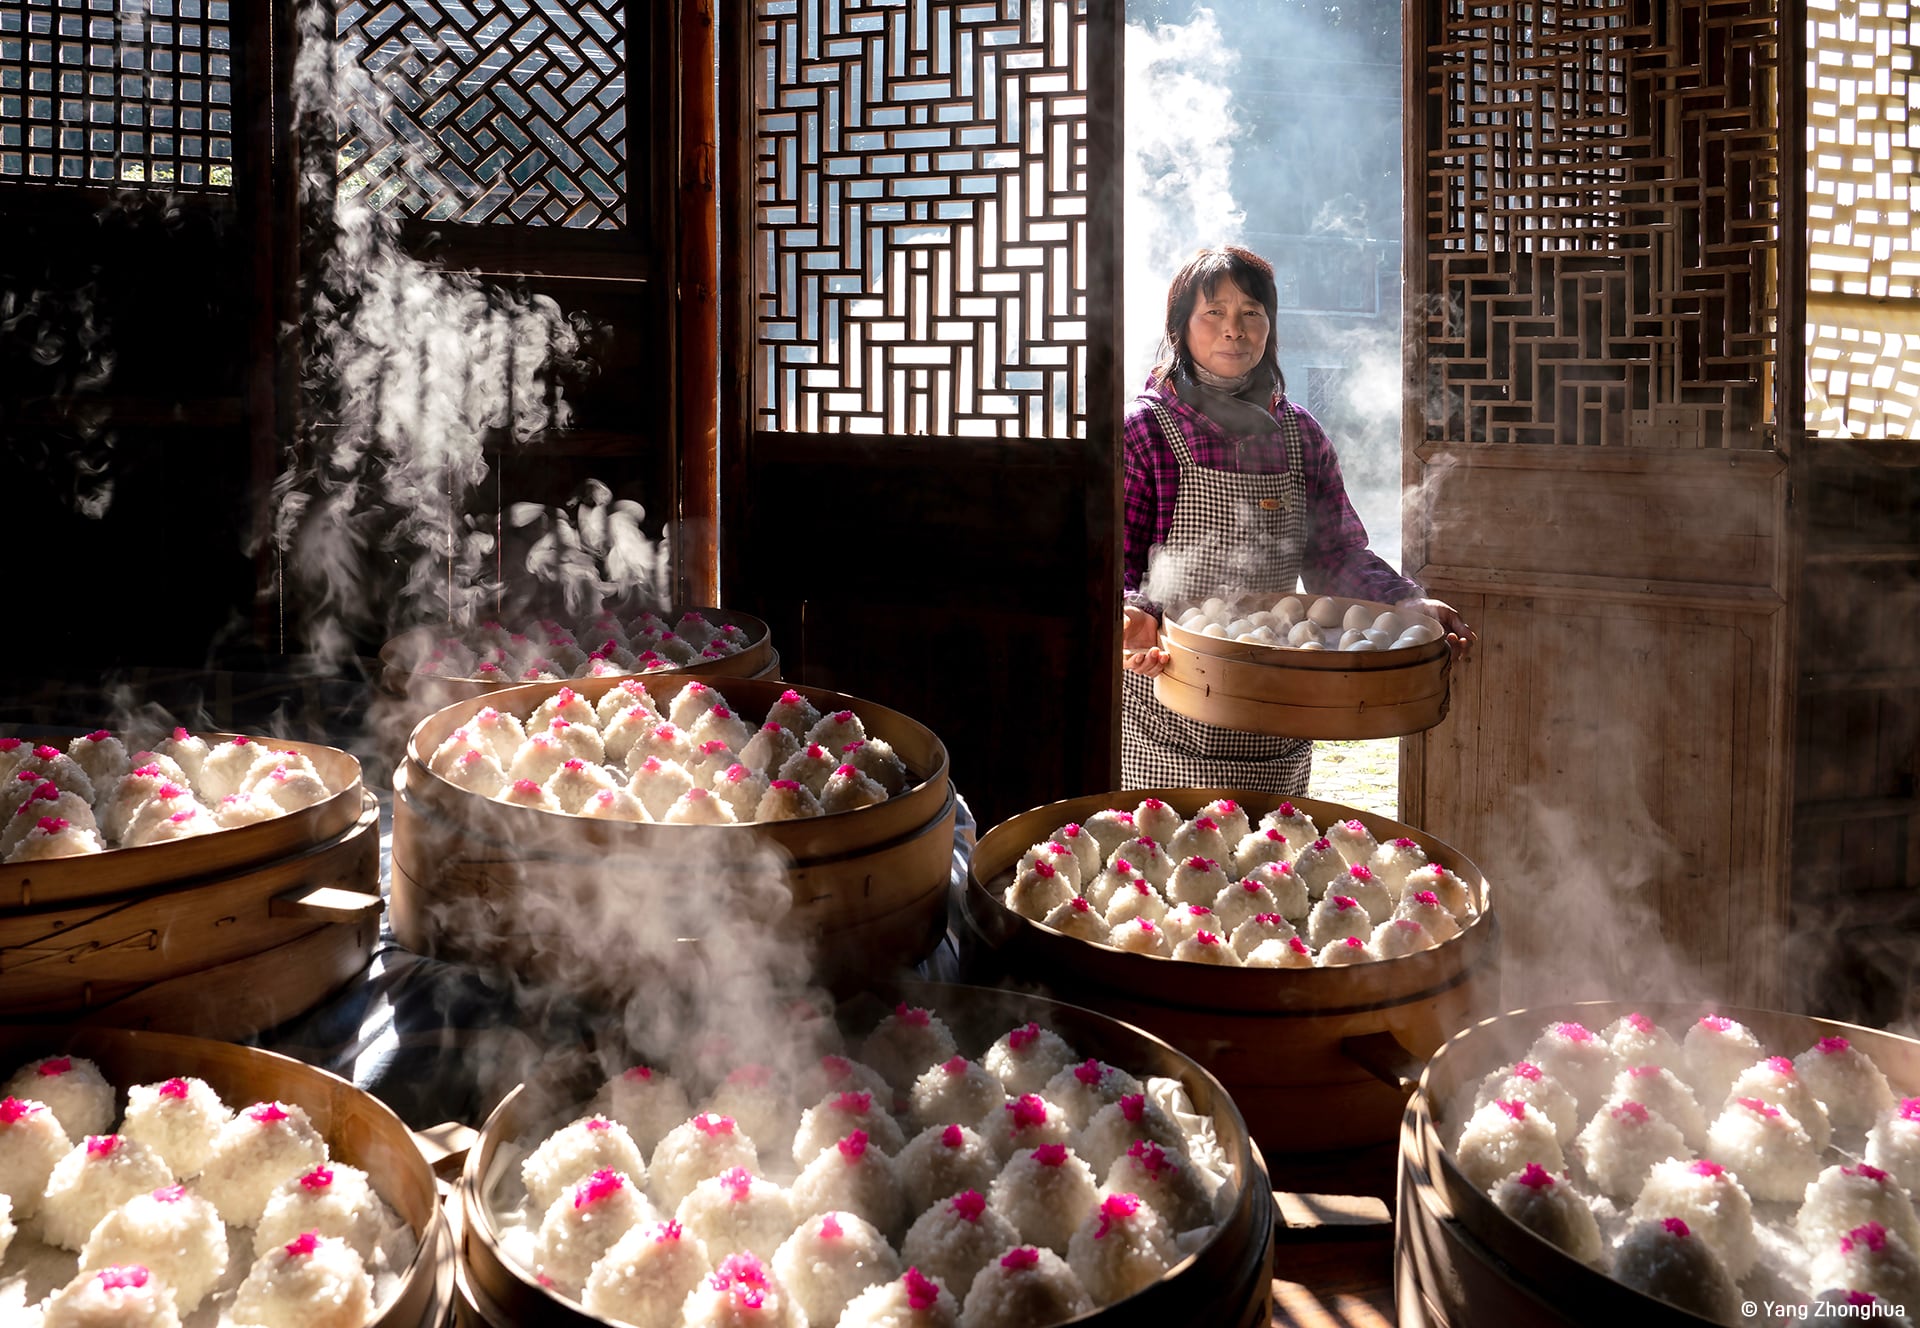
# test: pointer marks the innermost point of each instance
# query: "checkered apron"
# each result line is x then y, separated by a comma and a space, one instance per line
1232, 533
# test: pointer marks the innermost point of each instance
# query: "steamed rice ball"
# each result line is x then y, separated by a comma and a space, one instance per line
72, 1087
1893, 1145
1842, 1076
831, 1258
1081, 1090
827, 1122
954, 1239
1346, 950
1395, 860
1147, 859
583, 1224
31, 1145
1260, 847
1425, 908
1156, 820
941, 1161
1397, 938
1665, 1260
310, 1282
736, 1210
1870, 1258
121, 1296
1635, 1039
179, 1119
176, 1235
332, 1200
741, 1292
1290, 953
1775, 1080
1025, 1286
1335, 918
574, 1151
1260, 927
1552, 1209
1165, 1178
1078, 919
1844, 1197
701, 1147
95, 1177
1766, 1148
912, 1300
1024, 1059
955, 1090
1200, 838
1665, 1093
1121, 1247
752, 1096
1239, 901
1579, 1061
855, 1177
648, 1102
1621, 1144
1361, 885
834, 1073
647, 1275
1500, 1138
1037, 890
1118, 1125
907, 1042
1526, 1082
1046, 1192
1713, 1203
1717, 1049
1318, 866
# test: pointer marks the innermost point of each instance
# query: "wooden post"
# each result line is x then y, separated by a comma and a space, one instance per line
696, 310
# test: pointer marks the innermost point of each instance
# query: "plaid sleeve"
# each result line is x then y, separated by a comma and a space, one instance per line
1149, 485
1336, 560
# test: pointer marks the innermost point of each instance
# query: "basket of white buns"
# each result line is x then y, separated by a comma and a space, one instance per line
1305, 666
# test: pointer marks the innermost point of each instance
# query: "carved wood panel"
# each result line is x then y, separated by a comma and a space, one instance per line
1863, 353
116, 92
1601, 192
495, 111
920, 216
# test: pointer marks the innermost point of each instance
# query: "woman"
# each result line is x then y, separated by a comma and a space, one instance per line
1230, 487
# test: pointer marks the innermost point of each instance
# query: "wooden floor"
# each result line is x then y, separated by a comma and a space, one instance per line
1333, 1240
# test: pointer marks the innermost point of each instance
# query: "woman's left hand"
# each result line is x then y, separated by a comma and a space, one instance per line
1459, 635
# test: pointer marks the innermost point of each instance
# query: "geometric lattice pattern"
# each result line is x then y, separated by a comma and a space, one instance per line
1863, 355
503, 111
112, 92
920, 216
1602, 196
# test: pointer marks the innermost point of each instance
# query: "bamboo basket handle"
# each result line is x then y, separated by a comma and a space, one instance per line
324, 903
1381, 1055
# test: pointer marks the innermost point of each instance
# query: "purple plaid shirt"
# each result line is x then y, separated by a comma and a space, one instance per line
1336, 559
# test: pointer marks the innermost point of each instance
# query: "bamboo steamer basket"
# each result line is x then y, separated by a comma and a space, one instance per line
868, 887
432, 690
1317, 1059
1226, 1283
1458, 1260
1329, 694
359, 1130
150, 866
222, 935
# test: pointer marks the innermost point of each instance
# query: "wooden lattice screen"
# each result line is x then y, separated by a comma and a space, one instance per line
496, 111
1602, 196
920, 258
1863, 317
112, 92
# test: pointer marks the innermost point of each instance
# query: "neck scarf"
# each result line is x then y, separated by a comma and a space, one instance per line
1237, 405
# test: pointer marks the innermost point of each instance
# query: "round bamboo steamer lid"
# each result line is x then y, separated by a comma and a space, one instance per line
359, 1130
1227, 1282
1318, 1059
123, 871
1460, 1261
227, 954
1286, 692
868, 887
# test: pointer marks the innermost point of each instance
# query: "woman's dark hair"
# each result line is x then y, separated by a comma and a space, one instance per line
1201, 277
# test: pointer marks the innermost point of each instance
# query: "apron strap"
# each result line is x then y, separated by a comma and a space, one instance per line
1176, 436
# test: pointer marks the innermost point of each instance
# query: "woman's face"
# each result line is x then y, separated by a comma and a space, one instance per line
1227, 331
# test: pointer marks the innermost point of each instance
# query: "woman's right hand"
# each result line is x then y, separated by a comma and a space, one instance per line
1140, 643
